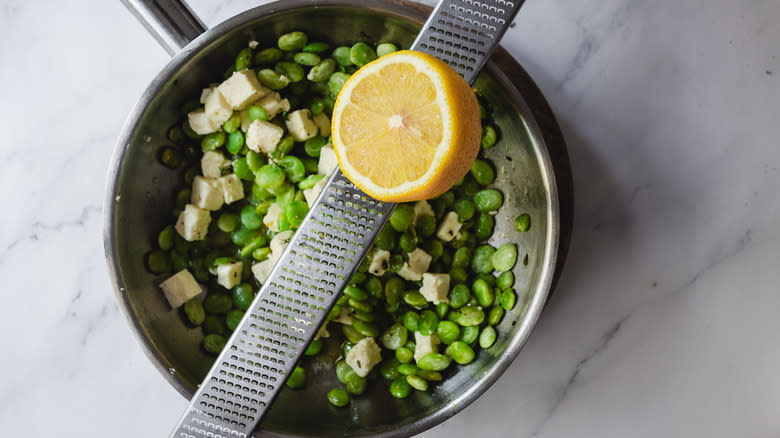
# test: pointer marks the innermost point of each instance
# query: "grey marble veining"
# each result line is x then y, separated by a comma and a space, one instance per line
663, 324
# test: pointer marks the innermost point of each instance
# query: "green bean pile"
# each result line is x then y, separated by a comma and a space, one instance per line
380, 302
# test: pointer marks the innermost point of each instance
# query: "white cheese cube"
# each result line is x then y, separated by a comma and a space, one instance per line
263, 136
245, 121
379, 262
363, 356
328, 161
207, 193
322, 332
435, 287
422, 208
212, 163
232, 188
272, 216
344, 317
424, 345
311, 194
180, 288
242, 88
262, 270
417, 265
193, 223
449, 227
323, 123
201, 123
273, 104
205, 94
253, 44
300, 125
229, 274
217, 107
279, 243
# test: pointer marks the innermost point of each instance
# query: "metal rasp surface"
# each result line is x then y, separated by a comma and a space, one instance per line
323, 254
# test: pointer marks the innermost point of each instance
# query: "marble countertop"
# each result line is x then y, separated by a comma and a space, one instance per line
665, 321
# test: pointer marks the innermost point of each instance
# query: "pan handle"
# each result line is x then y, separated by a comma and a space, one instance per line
171, 22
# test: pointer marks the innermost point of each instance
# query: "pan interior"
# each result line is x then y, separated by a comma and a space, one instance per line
145, 189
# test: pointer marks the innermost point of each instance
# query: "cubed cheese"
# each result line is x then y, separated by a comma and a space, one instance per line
207, 193
201, 123
344, 317
263, 136
311, 194
205, 94
424, 345
300, 125
229, 274
242, 88
273, 104
435, 287
323, 123
449, 227
279, 243
380, 261
232, 188
217, 107
272, 216
322, 332
193, 223
262, 270
245, 120
417, 265
328, 161
253, 44
212, 163
180, 288
363, 356
422, 208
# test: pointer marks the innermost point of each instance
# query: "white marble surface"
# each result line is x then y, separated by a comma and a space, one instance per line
665, 322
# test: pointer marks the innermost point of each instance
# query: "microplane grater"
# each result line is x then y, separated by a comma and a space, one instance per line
323, 254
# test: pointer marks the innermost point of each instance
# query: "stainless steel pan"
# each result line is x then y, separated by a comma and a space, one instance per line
139, 197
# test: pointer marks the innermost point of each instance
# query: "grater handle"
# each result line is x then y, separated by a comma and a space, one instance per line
464, 33
332, 240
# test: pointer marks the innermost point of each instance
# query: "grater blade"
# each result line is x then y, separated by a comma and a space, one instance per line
323, 254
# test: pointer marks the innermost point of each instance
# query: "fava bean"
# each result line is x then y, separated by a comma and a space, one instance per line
307, 58
488, 200
338, 397
448, 332
194, 311
385, 48
488, 337
268, 56
361, 54
400, 388
243, 296
482, 262
504, 258
272, 79
428, 322
290, 70
417, 383
395, 337
401, 218
213, 343
523, 222
433, 362
292, 41
341, 55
